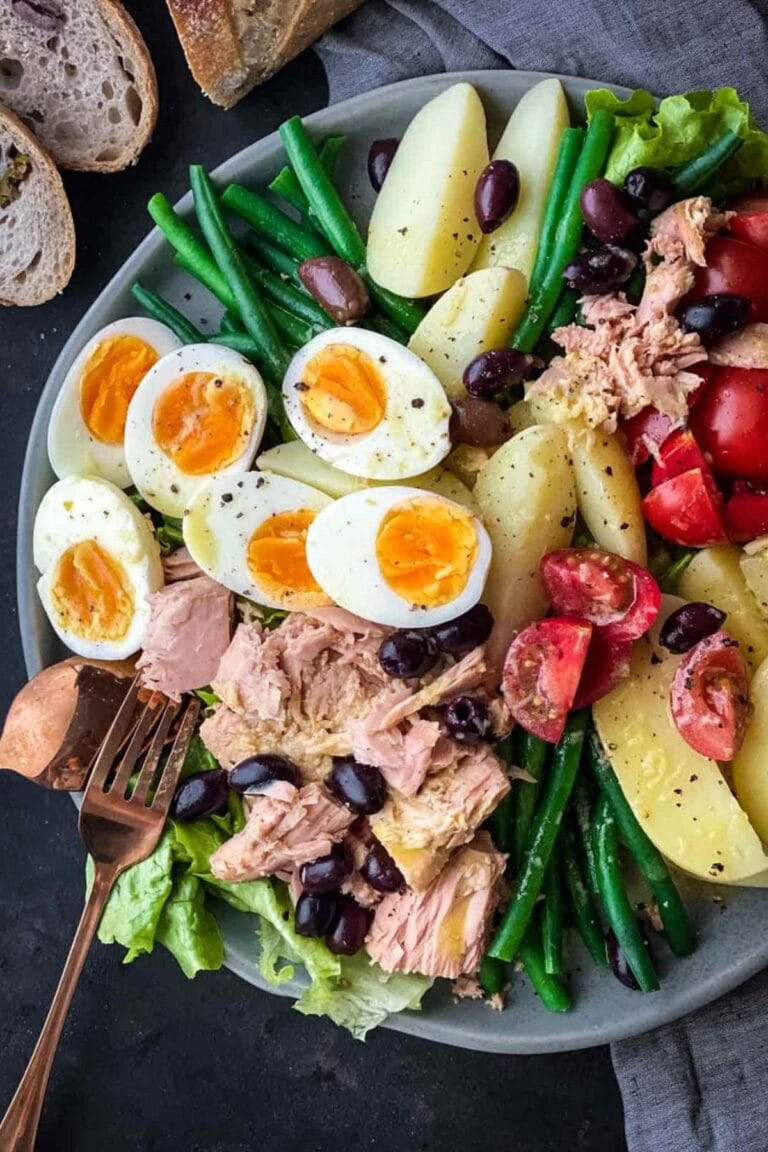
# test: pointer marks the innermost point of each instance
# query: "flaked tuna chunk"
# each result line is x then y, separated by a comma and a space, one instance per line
421, 831
189, 630
404, 755
747, 348
680, 232
286, 827
466, 674
179, 565
443, 930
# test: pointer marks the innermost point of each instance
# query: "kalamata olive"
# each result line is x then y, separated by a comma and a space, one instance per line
200, 795
315, 913
607, 211
380, 156
649, 188
380, 871
688, 624
407, 653
336, 286
467, 719
604, 270
348, 933
478, 422
360, 786
496, 194
459, 635
327, 872
715, 316
252, 774
496, 371
618, 960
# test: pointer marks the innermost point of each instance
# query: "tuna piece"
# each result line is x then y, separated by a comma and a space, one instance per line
443, 930
179, 565
286, 827
467, 673
189, 630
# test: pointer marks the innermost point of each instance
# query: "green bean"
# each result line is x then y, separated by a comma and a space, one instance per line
581, 805
531, 752
295, 330
407, 314
571, 143
552, 915
618, 910
565, 311
692, 176
670, 577
230, 323
378, 322
286, 185
287, 296
269, 221
271, 256
161, 310
551, 992
196, 257
677, 925
252, 309
491, 976
567, 238
543, 833
220, 289
580, 900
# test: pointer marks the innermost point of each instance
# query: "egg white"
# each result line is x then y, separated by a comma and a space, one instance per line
72, 449
82, 508
162, 484
413, 435
341, 553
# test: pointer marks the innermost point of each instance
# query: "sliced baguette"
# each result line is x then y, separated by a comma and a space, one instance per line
83, 80
232, 45
37, 234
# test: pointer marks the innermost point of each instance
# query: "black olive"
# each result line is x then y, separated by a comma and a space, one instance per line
607, 211
498, 370
716, 316
350, 929
407, 654
649, 188
360, 786
200, 795
380, 156
601, 271
380, 871
496, 194
467, 719
465, 632
688, 625
327, 873
252, 774
315, 913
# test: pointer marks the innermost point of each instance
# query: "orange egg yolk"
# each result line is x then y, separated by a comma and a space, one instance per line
112, 373
342, 391
277, 559
91, 593
426, 550
203, 422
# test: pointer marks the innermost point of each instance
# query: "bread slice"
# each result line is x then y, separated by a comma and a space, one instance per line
37, 235
79, 74
232, 45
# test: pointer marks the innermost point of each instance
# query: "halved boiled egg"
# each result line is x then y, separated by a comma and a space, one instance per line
399, 556
198, 412
99, 561
87, 425
249, 533
367, 405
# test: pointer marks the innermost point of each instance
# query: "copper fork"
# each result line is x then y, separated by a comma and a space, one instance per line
120, 827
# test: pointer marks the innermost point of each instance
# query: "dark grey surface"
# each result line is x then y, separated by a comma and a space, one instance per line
149, 1060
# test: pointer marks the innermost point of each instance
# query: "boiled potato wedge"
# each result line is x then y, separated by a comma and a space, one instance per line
527, 499
750, 768
423, 233
754, 566
680, 798
608, 494
530, 141
715, 576
477, 313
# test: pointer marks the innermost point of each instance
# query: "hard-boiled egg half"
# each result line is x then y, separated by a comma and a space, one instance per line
367, 405
198, 412
399, 556
87, 426
99, 561
249, 532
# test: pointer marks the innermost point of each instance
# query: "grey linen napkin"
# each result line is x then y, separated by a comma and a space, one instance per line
698, 1085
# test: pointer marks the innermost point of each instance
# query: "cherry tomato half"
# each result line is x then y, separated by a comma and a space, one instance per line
746, 513
686, 510
733, 266
752, 227
607, 664
542, 670
618, 597
730, 422
709, 697
679, 453
650, 428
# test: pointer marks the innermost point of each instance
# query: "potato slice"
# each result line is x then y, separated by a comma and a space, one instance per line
527, 499
750, 768
715, 576
608, 494
530, 140
680, 798
477, 313
423, 233
754, 566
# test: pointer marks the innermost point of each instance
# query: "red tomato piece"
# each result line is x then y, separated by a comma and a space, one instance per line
746, 513
730, 422
607, 664
709, 697
647, 430
680, 453
752, 227
542, 670
733, 266
686, 510
618, 597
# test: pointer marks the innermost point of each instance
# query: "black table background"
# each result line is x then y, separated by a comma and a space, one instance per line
151, 1062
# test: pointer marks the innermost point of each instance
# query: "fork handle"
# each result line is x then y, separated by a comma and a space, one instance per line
18, 1129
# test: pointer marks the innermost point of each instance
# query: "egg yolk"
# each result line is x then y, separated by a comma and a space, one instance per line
277, 558
426, 550
112, 373
203, 422
91, 593
342, 391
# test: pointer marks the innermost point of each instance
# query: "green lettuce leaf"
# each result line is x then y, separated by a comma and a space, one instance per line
681, 128
189, 930
137, 901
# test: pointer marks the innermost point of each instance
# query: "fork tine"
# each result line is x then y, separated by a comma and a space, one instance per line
154, 752
118, 730
147, 721
175, 762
